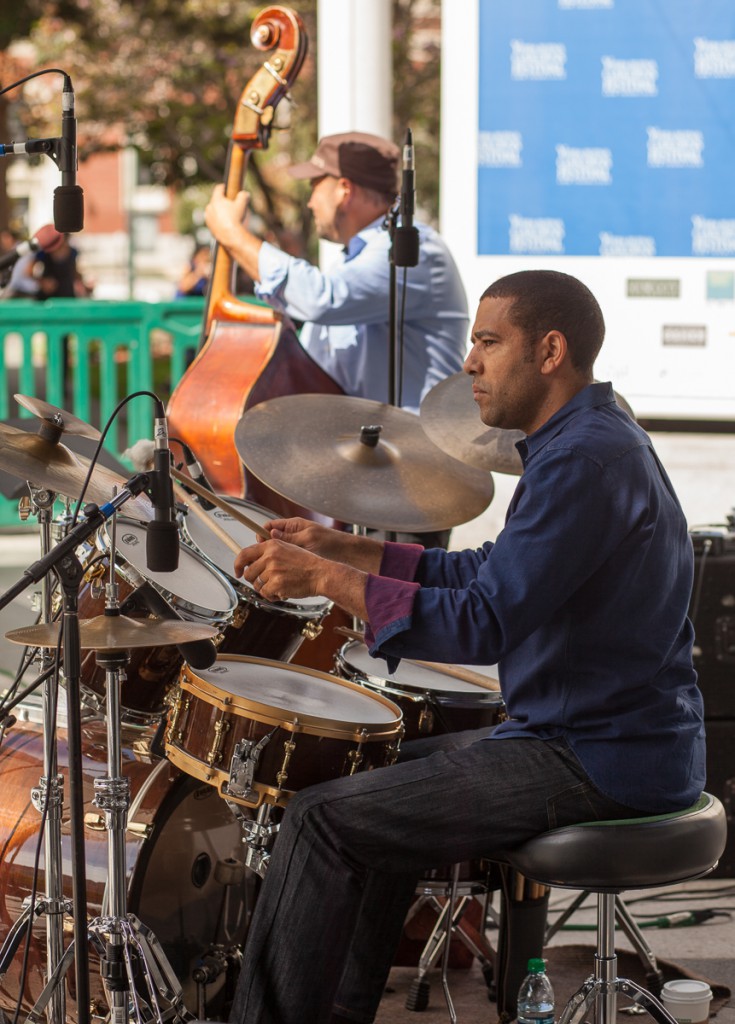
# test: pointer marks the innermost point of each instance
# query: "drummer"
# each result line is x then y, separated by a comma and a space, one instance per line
354, 180
605, 717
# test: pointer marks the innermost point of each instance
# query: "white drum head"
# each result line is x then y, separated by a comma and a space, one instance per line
220, 555
416, 677
195, 583
298, 693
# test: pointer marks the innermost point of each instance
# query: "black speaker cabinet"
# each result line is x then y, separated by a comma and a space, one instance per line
721, 783
712, 611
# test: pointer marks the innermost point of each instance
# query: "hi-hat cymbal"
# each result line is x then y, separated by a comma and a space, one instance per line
450, 417
116, 633
359, 461
57, 420
48, 464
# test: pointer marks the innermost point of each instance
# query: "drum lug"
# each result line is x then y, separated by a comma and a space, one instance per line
311, 630
282, 774
356, 756
178, 704
245, 758
221, 728
426, 720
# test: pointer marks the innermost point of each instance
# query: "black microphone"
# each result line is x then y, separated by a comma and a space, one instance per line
198, 653
162, 532
68, 197
46, 239
406, 240
197, 474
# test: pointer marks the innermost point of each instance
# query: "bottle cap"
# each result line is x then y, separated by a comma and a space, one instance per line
536, 965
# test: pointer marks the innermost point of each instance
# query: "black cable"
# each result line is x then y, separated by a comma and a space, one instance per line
93, 462
36, 74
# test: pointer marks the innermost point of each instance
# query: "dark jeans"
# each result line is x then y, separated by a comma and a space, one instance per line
349, 853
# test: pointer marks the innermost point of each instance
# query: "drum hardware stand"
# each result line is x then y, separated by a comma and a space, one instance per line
49, 794
257, 837
216, 961
457, 894
63, 560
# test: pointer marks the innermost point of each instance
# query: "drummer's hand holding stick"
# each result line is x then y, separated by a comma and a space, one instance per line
306, 559
359, 552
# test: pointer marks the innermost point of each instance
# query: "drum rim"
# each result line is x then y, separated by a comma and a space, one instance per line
183, 605
312, 725
318, 610
476, 695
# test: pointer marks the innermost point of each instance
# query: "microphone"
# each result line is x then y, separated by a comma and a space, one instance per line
198, 653
46, 239
162, 532
406, 241
68, 197
197, 474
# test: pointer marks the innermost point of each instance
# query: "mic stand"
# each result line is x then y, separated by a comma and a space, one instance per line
63, 560
49, 793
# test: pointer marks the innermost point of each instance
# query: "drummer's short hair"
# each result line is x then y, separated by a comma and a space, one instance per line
547, 300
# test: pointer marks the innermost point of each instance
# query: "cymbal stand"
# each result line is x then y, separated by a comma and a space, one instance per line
130, 948
48, 794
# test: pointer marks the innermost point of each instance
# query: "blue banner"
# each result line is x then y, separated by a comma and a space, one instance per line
607, 128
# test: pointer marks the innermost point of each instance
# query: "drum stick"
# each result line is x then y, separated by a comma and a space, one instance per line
220, 503
465, 674
212, 524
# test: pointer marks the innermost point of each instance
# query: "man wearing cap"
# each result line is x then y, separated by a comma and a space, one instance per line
345, 310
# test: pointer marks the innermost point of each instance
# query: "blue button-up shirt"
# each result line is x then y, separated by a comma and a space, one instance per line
582, 601
346, 313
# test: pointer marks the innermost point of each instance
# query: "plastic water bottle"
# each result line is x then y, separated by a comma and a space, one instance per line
536, 996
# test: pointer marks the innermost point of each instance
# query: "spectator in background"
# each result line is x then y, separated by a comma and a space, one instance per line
58, 275
21, 283
195, 280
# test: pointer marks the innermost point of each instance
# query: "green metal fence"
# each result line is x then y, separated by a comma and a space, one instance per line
85, 355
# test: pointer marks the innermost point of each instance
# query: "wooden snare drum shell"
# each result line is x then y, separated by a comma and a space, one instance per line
206, 723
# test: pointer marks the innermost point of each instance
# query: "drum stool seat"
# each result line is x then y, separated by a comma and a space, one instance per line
609, 857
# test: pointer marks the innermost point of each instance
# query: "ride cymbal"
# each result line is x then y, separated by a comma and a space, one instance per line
116, 633
450, 417
359, 461
58, 421
45, 463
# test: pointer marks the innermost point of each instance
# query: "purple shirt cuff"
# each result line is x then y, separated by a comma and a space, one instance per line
389, 596
400, 561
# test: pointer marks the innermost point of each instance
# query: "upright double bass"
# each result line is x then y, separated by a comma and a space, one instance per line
248, 353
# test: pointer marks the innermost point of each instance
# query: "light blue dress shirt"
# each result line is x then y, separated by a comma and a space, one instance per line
346, 313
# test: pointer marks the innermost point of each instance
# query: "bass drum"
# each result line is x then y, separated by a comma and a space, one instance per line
183, 846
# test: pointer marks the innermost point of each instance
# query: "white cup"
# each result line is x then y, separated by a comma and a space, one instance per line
687, 1000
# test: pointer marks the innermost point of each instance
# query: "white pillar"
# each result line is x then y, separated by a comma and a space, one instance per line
355, 67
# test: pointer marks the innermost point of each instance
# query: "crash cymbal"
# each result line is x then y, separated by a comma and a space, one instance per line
116, 633
360, 462
450, 417
57, 421
48, 464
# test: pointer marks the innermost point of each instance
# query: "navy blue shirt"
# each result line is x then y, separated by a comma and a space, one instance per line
582, 601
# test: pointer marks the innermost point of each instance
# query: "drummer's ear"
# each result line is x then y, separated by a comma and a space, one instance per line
553, 350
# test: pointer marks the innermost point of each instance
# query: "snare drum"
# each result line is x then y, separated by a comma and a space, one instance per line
433, 702
261, 629
261, 730
196, 591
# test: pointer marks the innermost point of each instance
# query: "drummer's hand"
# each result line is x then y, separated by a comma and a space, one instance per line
224, 217
278, 570
337, 545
